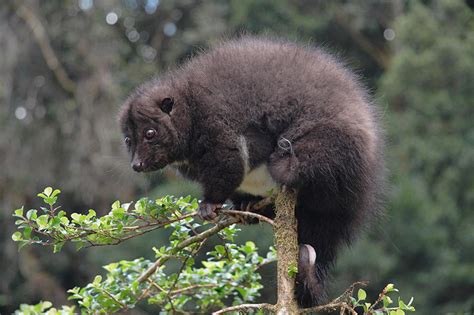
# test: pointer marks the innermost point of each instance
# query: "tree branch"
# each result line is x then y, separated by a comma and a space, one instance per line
380, 57
246, 308
201, 236
330, 307
42, 39
247, 214
192, 287
286, 244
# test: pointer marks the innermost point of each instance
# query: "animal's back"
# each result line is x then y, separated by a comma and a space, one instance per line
283, 80
260, 92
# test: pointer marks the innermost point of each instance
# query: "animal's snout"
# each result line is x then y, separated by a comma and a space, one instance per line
138, 166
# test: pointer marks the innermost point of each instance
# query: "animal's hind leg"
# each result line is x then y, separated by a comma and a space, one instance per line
326, 154
324, 164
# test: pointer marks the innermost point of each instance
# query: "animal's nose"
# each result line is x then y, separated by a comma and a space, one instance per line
137, 166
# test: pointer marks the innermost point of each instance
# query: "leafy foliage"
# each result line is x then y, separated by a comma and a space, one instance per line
46, 308
229, 274
383, 305
54, 227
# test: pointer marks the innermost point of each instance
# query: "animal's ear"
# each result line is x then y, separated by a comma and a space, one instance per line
166, 104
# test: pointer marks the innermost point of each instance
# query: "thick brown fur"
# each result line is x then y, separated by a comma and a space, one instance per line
302, 114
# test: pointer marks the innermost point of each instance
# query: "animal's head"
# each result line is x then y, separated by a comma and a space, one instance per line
155, 125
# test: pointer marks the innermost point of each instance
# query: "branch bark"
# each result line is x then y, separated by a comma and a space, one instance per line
287, 250
246, 308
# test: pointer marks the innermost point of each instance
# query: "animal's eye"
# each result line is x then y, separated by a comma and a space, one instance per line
127, 141
150, 134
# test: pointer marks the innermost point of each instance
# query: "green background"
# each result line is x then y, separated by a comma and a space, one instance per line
58, 127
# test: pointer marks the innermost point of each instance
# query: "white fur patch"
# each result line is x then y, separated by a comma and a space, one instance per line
311, 253
257, 181
244, 153
179, 163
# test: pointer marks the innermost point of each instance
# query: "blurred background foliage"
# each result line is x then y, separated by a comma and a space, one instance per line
65, 67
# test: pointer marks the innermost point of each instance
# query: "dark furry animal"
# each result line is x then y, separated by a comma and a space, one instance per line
253, 113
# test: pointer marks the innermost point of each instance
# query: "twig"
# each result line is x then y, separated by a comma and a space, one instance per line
246, 307
192, 287
183, 264
349, 291
341, 302
379, 299
330, 307
116, 301
201, 236
248, 214
155, 285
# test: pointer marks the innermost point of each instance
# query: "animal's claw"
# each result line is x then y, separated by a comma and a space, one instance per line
208, 211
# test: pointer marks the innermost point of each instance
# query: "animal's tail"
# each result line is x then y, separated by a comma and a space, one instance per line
320, 234
311, 278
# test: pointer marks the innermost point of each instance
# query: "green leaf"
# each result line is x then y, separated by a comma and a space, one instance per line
387, 301
91, 214
50, 200
292, 270
220, 249
31, 214
249, 247
64, 220
366, 306
42, 221
361, 295
55, 193
47, 191
390, 288
118, 213
27, 232
111, 267
78, 218
406, 307
19, 212
57, 247
80, 245
17, 236
116, 205
208, 264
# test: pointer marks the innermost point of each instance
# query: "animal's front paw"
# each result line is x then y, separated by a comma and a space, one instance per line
208, 211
